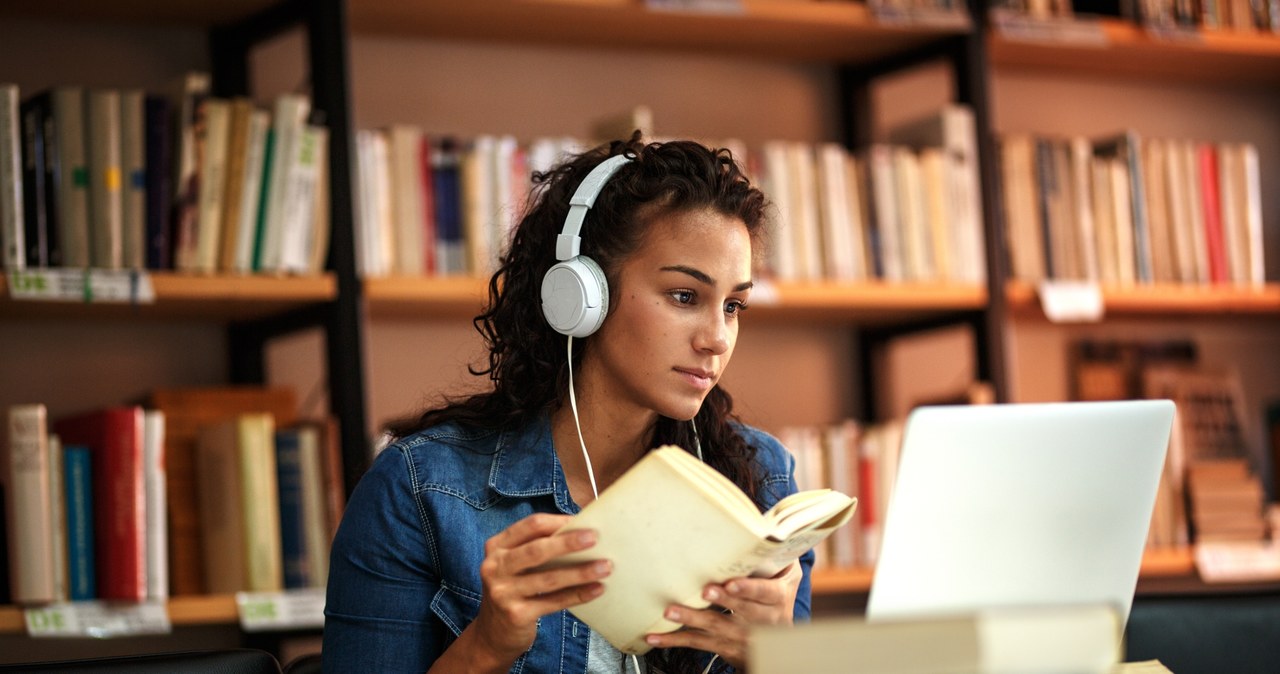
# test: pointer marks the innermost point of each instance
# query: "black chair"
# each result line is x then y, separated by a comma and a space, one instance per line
228, 661
1207, 634
304, 664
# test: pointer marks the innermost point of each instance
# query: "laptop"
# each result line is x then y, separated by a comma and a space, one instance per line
1020, 505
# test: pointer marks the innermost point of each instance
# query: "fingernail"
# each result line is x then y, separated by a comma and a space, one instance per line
733, 587
712, 594
584, 538
600, 568
653, 640
596, 590
673, 613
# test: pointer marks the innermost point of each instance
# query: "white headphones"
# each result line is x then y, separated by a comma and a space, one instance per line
575, 294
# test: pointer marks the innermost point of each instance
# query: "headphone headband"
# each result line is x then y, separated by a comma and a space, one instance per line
569, 242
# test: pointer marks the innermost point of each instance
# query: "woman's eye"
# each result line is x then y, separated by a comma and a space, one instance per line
734, 307
682, 296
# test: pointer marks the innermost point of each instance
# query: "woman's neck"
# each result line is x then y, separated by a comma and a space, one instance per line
614, 441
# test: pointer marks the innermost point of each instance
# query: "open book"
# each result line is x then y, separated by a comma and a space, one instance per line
672, 524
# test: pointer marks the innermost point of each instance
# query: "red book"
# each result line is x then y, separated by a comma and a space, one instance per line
1211, 201
114, 438
429, 265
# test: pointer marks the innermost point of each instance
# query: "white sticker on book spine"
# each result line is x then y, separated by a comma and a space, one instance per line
1071, 301
129, 286
291, 609
98, 619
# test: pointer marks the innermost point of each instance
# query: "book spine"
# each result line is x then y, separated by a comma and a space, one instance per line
72, 186
57, 519
12, 218
133, 173
293, 543
106, 248
78, 487
157, 520
159, 182
30, 521
31, 240
260, 505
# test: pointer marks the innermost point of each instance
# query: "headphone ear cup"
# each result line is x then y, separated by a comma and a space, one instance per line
575, 296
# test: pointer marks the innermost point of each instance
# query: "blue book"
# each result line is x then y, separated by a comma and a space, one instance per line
451, 250
293, 537
78, 486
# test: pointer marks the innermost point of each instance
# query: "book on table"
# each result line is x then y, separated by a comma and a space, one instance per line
672, 524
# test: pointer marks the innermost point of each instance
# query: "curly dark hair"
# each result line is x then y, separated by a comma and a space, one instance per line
527, 361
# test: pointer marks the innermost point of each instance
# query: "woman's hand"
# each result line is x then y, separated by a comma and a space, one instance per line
516, 594
748, 601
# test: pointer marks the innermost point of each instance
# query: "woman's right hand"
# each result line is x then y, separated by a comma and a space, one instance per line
517, 592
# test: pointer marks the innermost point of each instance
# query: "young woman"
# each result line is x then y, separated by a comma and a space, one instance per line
436, 564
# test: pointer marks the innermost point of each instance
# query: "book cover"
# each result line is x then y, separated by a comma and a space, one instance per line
30, 522
157, 531
78, 487
12, 217
39, 230
701, 513
71, 188
115, 440
58, 518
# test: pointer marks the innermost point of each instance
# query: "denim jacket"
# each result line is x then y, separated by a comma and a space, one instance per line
404, 575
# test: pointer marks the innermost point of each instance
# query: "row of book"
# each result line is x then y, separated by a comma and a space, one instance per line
1127, 210
855, 459
907, 210
125, 179
132, 504
1162, 15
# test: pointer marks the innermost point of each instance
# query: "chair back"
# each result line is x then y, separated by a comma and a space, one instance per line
227, 661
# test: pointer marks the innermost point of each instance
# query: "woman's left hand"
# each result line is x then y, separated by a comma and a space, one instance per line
723, 627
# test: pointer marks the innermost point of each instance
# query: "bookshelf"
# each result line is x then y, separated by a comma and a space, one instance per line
834, 35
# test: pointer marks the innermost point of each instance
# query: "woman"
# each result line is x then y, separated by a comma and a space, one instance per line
437, 563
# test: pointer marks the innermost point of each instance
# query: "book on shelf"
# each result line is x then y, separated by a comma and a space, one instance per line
106, 206
239, 505
186, 411
78, 487
116, 439
719, 530
27, 479
12, 217
133, 179
1082, 639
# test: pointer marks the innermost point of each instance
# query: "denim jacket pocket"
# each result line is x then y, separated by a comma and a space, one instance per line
457, 608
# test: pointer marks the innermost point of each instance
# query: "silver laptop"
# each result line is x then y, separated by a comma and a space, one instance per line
1020, 505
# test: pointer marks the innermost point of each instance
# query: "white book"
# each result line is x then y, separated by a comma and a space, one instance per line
251, 193
288, 122
12, 222
859, 210
887, 228
1104, 215
701, 512
27, 500
213, 186
299, 200
805, 228
834, 212
917, 249
937, 211
154, 478
1081, 195
1195, 200
133, 171
1252, 184
509, 185
1163, 253
1022, 229
1179, 212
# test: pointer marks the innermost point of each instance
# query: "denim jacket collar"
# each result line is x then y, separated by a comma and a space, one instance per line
525, 464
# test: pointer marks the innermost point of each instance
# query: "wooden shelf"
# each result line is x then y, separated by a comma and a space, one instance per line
172, 12
1127, 50
214, 609
1166, 300
771, 29
192, 297
1161, 564
869, 303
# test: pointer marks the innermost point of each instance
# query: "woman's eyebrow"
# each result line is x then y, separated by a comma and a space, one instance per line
702, 277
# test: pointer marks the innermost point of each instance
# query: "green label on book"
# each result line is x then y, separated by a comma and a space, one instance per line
98, 619
291, 609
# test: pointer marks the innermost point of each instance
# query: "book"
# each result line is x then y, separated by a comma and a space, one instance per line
78, 490
27, 489
1049, 639
12, 221
703, 515
106, 205
240, 505
158, 147
115, 440
186, 411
